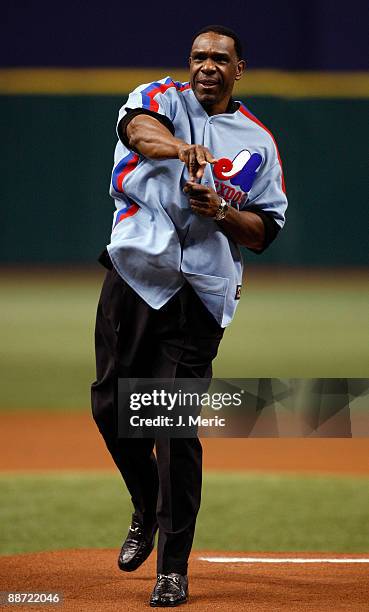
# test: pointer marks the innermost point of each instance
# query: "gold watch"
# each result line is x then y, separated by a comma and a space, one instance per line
222, 210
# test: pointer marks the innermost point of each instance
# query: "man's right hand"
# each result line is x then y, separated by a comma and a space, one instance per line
195, 157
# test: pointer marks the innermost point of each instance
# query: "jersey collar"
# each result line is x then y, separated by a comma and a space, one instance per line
198, 109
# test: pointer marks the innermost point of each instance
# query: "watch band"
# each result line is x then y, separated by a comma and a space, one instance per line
222, 210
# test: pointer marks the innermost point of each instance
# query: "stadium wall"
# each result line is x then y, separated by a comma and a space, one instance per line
58, 144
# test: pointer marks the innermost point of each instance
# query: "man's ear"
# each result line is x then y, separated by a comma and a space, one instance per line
241, 67
189, 60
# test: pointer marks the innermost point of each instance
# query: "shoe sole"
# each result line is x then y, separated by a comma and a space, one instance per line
169, 604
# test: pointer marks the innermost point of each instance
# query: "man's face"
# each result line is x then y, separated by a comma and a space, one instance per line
214, 67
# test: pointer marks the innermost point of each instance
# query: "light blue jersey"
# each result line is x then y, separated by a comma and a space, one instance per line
157, 242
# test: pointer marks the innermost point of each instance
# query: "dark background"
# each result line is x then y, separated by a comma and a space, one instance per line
300, 35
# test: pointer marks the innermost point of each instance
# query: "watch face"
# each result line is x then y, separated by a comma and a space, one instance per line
222, 209
225, 207
220, 214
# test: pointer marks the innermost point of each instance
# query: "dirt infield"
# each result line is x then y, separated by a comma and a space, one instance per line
43, 441
90, 581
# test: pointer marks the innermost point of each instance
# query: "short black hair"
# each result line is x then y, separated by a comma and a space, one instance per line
223, 31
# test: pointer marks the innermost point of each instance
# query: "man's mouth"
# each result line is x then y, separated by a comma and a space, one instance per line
207, 83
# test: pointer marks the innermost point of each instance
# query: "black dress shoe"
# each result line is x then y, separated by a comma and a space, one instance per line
170, 590
135, 549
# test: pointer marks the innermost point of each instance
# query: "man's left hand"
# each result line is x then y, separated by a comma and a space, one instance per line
203, 200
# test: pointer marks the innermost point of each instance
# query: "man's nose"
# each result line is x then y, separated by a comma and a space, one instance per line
208, 65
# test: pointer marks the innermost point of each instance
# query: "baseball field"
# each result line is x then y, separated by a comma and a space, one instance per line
283, 523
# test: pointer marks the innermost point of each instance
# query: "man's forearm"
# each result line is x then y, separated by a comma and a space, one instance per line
152, 139
245, 228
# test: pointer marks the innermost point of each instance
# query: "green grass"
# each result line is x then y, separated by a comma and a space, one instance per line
249, 512
314, 329
47, 328
311, 331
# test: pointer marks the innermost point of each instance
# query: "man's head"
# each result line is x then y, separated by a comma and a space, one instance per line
215, 64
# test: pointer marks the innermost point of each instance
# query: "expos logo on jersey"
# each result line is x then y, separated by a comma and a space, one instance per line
235, 177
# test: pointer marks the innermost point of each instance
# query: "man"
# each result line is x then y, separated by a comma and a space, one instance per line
195, 176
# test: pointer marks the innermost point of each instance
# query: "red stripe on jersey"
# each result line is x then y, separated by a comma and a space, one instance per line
129, 167
131, 211
154, 106
250, 116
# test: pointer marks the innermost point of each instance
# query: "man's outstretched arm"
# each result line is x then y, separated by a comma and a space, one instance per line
152, 139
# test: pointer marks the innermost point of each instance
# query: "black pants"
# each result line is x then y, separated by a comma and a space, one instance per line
133, 340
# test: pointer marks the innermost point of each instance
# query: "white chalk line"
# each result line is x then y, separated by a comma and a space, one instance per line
283, 560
